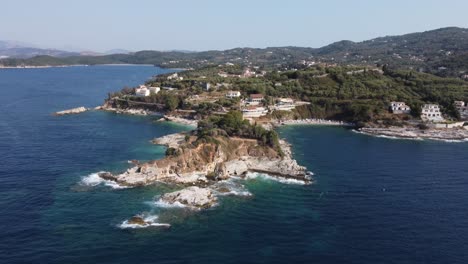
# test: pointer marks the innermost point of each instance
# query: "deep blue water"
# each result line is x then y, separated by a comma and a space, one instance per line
374, 200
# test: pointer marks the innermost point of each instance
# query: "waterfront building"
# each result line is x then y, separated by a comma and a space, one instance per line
431, 113
284, 104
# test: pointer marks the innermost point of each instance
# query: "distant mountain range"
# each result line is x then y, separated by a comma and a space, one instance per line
14, 49
24, 50
442, 51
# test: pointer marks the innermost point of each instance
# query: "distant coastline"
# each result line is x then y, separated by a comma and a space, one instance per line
72, 65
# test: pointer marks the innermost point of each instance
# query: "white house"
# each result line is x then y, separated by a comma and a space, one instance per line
175, 76
233, 94
399, 108
256, 99
284, 104
462, 108
142, 91
431, 112
155, 90
254, 111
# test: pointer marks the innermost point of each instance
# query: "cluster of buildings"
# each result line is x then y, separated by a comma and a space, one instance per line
429, 112
175, 77
254, 106
144, 91
247, 73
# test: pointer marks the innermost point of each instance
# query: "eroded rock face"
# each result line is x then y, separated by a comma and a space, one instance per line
210, 161
192, 197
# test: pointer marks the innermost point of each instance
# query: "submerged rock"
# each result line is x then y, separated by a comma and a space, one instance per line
193, 197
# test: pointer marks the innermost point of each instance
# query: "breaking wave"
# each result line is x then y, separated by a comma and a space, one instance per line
163, 204
150, 222
255, 175
93, 180
231, 187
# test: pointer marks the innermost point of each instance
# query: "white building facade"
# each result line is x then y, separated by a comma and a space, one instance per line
233, 94
254, 111
431, 113
142, 91
155, 90
462, 109
400, 108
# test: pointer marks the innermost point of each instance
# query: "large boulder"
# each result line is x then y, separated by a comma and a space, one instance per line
193, 197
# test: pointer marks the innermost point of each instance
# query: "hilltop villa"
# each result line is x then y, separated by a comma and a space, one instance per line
399, 108
233, 94
431, 113
255, 99
142, 91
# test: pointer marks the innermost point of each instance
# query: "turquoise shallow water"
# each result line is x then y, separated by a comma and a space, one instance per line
374, 200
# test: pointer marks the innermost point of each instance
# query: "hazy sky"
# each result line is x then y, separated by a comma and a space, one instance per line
215, 24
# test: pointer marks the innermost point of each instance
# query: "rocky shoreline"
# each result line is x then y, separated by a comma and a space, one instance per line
311, 121
128, 111
201, 170
179, 120
453, 134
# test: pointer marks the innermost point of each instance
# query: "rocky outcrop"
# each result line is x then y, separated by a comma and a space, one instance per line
179, 120
140, 221
72, 111
171, 141
128, 111
212, 161
192, 197
137, 220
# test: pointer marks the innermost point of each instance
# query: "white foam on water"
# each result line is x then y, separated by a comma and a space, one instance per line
94, 180
163, 204
254, 175
387, 137
450, 140
149, 219
235, 188
235, 193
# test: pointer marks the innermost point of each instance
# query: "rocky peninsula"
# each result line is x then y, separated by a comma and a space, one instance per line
201, 162
209, 162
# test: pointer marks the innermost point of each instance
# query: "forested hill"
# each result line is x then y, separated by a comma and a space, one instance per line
442, 52
429, 51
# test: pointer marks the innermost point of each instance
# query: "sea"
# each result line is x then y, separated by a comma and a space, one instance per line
372, 200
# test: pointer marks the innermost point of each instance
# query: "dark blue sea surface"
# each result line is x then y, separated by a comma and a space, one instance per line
373, 200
